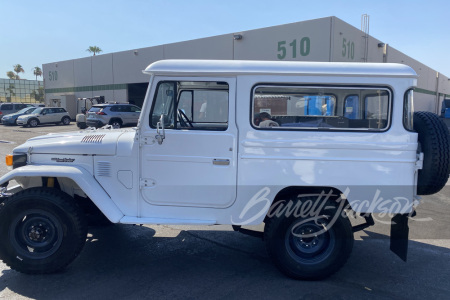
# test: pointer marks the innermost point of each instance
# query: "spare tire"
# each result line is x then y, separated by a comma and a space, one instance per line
434, 142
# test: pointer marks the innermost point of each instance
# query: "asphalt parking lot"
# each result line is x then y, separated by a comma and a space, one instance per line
192, 262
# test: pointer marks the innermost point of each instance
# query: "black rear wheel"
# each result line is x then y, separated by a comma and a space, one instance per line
42, 230
309, 248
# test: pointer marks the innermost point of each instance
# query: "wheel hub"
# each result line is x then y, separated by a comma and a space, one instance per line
308, 242
37, 233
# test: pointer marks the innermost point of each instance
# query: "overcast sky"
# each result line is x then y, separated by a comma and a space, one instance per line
33, 33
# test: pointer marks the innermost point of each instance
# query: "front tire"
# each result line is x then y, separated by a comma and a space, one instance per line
42, 230
303, 248
33, 123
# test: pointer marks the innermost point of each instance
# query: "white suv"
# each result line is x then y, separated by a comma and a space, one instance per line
45, 115
116, 115
293, 145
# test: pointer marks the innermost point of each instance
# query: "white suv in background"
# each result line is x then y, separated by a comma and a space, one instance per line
45, 115
117, 115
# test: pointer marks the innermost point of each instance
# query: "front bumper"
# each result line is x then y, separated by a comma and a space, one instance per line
22, 121
9, 121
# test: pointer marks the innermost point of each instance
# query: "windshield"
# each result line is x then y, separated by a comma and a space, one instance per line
26, 110
37, 110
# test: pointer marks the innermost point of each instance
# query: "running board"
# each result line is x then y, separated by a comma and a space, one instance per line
165, 221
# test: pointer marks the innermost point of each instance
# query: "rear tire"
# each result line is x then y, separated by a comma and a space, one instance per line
435, 144
115, 123
308, 249
42, 230
65, 120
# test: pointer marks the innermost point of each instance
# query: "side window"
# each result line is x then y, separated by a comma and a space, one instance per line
351, 107
192, 105
7, 107
288, 107
61, 110
163, 104
185, 103
135, 109
114, 108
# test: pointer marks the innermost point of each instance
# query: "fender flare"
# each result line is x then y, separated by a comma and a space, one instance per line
80, 176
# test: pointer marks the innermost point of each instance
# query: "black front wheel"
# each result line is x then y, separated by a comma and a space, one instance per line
310, 247
42, 230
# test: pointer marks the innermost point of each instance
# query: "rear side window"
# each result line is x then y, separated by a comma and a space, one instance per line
95, 109
335, 108
6, 107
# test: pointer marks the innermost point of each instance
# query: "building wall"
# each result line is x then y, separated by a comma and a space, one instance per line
20, 90
326, 39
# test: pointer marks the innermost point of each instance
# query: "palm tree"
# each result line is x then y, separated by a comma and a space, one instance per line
94, 49
37, 72
11, 75
18, 69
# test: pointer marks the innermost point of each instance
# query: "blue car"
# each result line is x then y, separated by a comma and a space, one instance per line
12, 118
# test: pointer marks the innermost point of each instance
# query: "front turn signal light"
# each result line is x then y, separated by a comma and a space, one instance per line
9, 160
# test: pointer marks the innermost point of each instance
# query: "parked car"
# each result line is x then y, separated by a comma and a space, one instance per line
11, 119
45, 115
117, 115
9, 108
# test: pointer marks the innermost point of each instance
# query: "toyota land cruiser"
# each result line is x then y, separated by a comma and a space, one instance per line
338, 138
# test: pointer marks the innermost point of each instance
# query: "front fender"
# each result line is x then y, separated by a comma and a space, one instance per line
80, 176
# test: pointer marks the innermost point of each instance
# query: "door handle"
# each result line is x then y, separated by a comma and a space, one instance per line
221, 162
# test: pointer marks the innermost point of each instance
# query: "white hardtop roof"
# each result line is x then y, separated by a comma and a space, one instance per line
252, 67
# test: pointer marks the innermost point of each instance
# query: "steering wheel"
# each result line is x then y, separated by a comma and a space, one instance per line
184, 120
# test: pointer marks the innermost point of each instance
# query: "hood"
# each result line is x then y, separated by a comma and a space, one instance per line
12, 115
99, 142
28, 115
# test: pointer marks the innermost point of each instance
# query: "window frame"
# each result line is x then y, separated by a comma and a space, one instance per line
325, 129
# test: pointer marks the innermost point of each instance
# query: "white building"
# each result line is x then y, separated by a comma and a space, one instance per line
118, 76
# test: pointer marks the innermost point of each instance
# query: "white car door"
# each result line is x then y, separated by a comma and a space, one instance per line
195, 164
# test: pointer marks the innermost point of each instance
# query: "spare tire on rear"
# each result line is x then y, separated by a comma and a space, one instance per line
434, 142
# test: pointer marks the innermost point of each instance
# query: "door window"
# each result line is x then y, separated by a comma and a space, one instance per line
191, 105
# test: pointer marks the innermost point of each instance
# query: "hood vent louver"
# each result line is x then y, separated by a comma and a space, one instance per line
94, 138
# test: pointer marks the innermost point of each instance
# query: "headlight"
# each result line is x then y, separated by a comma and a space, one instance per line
6, 118
16, 160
